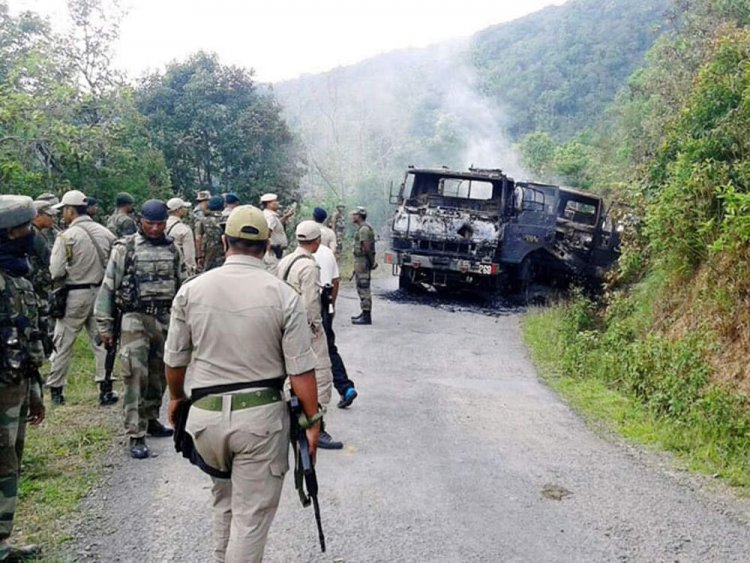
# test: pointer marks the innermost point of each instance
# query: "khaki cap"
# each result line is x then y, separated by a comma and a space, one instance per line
247, 222
45, 207
47, 196
308, 231
75, 198
203, 196
15, 210
266, 198
177, 203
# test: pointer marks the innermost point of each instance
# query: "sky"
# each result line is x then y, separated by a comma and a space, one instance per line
283, 39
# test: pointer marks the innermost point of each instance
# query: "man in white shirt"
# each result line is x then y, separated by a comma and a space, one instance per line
329, 279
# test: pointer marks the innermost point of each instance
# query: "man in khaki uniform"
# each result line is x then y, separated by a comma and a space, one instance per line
181, 232
277, 224
78, 260
327, 236
300, 270
242, 345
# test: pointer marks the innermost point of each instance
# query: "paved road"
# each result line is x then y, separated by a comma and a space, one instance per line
455, 452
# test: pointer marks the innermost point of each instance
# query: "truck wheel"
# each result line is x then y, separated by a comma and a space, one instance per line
404, 279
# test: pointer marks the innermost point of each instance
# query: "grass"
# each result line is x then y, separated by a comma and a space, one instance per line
709, 436
64, 458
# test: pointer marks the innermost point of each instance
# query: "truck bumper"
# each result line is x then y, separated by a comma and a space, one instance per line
441, 263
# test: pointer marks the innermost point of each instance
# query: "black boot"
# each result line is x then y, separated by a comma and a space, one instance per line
363, 319
138, 448
158, 430
325, 442
25, 553
57, 395
107, 397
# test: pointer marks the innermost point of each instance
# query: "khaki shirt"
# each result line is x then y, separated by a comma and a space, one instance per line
183, 239
328, 237
75, 258
228, 336
278, 233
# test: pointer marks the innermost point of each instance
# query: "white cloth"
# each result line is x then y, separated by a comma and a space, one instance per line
329, 268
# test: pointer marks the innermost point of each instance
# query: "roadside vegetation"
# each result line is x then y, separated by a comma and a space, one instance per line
663, 354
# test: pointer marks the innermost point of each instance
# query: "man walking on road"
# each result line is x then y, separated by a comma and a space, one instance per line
181, 232
143, 275
78, 260
364, 263
300, 270
234, 349
21, 356
329, 279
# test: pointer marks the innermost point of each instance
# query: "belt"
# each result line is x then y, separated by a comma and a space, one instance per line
240, 400
74, 286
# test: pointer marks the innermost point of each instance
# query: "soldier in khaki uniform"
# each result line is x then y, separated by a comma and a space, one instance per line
21, 355
327, 236
143, 275
364, 263
300, 270
79, 257
122, 222
182, 233
277, 223
246, 342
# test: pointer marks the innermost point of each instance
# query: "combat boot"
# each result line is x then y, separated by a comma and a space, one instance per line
138, 448
363, 319
158, 430
25, 553
107, 397
326, 442
57, 396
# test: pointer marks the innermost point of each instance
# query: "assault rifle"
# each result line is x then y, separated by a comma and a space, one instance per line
304, 468
107, 396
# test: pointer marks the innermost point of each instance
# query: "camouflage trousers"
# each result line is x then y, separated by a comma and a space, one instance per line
362, 277
142, 354
14, 406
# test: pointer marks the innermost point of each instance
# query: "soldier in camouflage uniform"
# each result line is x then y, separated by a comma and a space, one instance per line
144, 273
201, 207
44, 222
122, 222
21, 355
208, 232
337, 222
364, 263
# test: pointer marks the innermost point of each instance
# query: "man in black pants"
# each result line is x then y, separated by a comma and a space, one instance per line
329, 279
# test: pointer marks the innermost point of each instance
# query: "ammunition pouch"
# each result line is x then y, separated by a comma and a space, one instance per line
58, 302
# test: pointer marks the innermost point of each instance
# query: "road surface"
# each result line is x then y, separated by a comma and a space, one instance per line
455, 451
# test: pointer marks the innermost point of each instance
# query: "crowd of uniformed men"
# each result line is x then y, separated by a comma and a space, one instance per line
209, 299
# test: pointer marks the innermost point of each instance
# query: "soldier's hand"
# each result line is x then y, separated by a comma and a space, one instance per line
313, 435
36, 411
107, 339
172, 409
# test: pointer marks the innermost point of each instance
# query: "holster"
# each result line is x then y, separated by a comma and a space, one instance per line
58, 302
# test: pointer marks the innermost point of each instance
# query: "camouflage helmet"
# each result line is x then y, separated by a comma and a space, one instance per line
247, 222
15, 210
47, 196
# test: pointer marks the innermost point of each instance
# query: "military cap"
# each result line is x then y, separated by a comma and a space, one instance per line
319, 214
177, 203
216, 203
307, 231
124, 198
45, 206
247, 222
16, 210
267, 198
231, 198
360, 211
203, 195
154, 210
91, 201
74, 198
47, 196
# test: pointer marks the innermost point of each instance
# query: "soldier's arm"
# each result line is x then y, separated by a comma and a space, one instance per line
189, 251
128, 226
104, 307
177, 353
310, 288
58, 262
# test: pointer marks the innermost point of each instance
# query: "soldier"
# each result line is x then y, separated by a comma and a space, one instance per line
208, 234
329, 280
93, 207
122, 222
21, 355
182, 233
231, 201
40, 260
327, 236
78, 260
143, 275
269, 203
300, 270
201, 207
246, 432
364, 263
337, 222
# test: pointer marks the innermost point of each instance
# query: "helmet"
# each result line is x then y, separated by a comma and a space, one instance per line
16, 210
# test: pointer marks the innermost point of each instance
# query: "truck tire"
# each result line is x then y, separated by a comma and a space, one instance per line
404, 279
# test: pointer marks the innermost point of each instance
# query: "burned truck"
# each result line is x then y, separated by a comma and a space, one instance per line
482, 229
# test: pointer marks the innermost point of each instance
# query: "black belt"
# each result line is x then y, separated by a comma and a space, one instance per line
74, 286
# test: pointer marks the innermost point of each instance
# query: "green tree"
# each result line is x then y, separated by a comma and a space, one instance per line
538, 153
